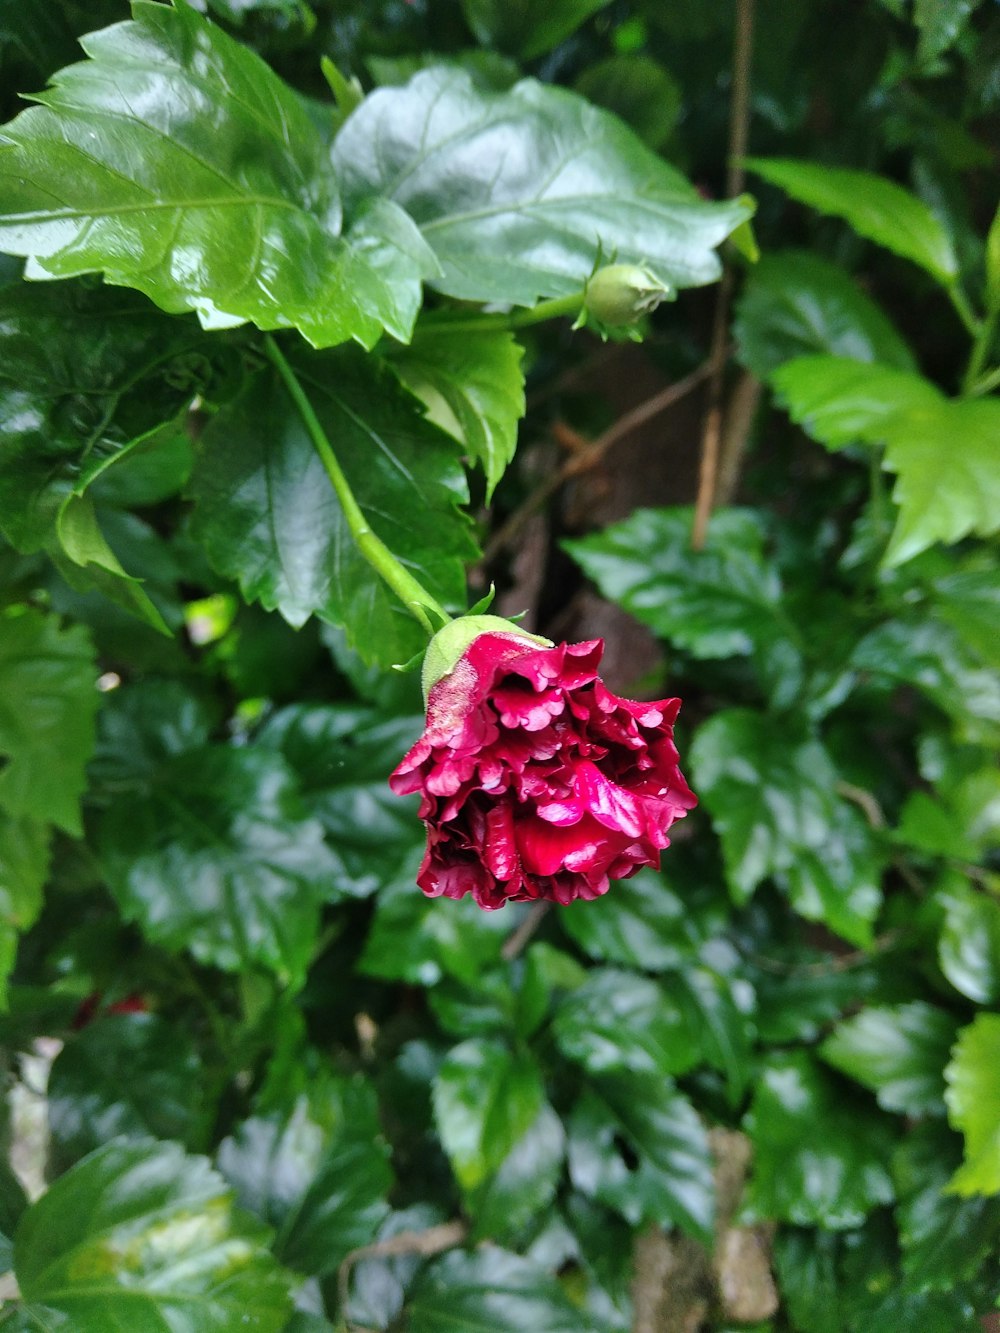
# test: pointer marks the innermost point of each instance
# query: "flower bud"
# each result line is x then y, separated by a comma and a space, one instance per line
620, 294
450, 643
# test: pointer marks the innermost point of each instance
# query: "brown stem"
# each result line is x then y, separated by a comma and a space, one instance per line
519, 938
739, 128
434, 1240
584, 459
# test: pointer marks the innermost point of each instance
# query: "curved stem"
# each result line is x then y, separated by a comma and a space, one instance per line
963, 309
414, 596
987, 384
980, 351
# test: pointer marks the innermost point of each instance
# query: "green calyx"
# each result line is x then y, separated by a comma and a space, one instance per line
449, 643
619, 294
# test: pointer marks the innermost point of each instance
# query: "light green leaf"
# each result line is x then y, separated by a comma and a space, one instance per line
525, 28
268, 515
48, 699
175, 161
772, 799
993, 264
899, 1051
24, 863
472, 386
218, 855
969, 944
142, 1227
485, 1100
665, 1174
518, 192
876, 208
818, 1159
973, 1098
942, 450
620, 1021
491, 1291
940, 23
126, 1075
317, 1171
797, 304
724, 601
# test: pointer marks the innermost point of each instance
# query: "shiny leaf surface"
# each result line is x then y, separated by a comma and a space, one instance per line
899, 1052
973, 1097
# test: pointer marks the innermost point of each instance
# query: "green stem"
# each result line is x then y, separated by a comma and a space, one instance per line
560, 306
417, 600
966, 314
980, 351
986, 384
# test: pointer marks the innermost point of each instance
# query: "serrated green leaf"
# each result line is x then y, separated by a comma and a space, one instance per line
491, 1291
969, 944
876, 208
818, 1159
341, 757
773, 802
642, 923
517, 193
48, 699
940, 23
317, 1171
797, 304
637, 1145
945, 1239
524, 28
973, 1098
718, 1014
268, 515
472, 386
24, 864
485, 1100
931, 658
805, 1263
840, 401
898, 1051
175, 161
525, 1182
144, 1224
969, 601
218, 856
620, 1021
724, 601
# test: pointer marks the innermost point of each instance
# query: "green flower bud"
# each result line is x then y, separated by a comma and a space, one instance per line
620, 294
448, 645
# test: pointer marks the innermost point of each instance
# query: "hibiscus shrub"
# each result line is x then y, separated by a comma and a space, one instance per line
322, 1010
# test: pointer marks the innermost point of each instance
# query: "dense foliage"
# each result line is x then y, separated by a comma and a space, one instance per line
279, 276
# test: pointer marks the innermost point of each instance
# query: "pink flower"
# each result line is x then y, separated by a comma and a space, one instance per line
535, 780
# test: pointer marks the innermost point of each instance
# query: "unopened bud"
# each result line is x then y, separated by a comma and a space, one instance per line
620, 294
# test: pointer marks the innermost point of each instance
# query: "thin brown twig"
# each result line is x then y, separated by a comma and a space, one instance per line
444, 1236
739, 128
518, 938
584, 459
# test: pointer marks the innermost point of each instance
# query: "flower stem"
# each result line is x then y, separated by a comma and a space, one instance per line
980, 351
414, 596
963, 309
446, 322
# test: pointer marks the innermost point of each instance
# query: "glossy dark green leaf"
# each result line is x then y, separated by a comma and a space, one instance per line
943, 492
175, 161
342, 757
640, 922
806, 1266
268, 516
796, 304
219, 856
517, 193
724, 601
969, 601
718, 1011
969, 943
639, 90
620, 1021
142, 1227
932, 658
772, 799
145, 723
818, 1158
638, 1146
898, 1051
472, 386
491, 1291
24, 863
125, 1075
876, 208
317, 1172
485, 1099
379, 1283
973, 1097
945, 1239
523, 28
48, 698
940, 23
13, 1202
525, 1182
